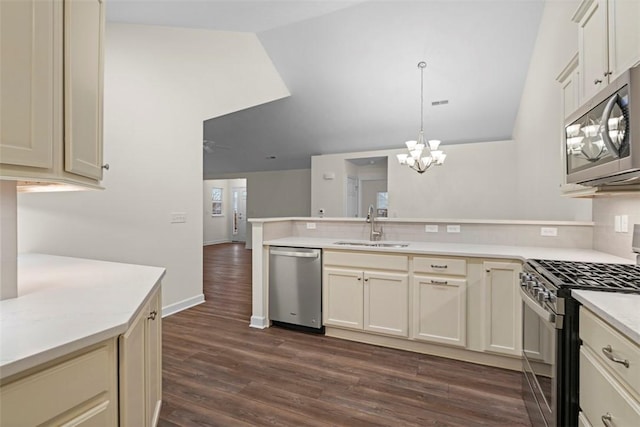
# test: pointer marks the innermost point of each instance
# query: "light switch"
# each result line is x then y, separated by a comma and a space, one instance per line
617, 224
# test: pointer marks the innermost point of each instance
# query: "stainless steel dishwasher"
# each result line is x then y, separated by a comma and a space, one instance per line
295, 287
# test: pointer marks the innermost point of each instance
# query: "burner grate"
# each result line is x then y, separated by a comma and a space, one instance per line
595, 276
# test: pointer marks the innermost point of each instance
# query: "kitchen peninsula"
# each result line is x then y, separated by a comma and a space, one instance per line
94, 324
480, 262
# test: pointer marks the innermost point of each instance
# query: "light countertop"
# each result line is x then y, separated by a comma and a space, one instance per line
460, 249
622, 311
65, 304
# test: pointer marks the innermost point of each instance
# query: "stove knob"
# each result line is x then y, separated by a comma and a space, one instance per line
543, 296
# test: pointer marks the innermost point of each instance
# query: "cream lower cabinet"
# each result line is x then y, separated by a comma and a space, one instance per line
502, 308
375, 299
440, 300
609, 374
78, 390
140, 368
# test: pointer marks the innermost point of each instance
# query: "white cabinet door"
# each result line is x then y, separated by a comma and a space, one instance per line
343, 298
502, 308
27, 31
592, 39
133, 368
624, 35
83, 75
386, 303
440, 310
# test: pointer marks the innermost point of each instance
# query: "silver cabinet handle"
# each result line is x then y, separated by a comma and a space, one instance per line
606, 419
105, 166
152, 315
438, 266
607, 73
597, 81
439, 282
608, 351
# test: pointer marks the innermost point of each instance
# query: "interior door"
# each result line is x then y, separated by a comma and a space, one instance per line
239, 219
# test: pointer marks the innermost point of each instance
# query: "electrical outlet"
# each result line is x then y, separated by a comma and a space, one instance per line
311, 226
430, 228
178, 217
548, 231
453, 228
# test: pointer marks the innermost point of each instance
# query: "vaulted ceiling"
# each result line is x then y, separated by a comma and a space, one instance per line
351, 68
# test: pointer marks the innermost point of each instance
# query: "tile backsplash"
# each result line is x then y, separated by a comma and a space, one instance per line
605, 210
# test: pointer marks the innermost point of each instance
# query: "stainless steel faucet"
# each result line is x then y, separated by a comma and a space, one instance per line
371, 219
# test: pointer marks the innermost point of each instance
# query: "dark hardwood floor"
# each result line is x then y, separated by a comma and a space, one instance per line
219, 372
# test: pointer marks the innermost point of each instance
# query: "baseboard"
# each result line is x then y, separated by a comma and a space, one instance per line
215, 242
182, 305
259, 322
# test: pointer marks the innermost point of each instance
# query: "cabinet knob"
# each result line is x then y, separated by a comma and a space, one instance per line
359, 278
606, 419
152, 315
597, 81
366, 279
105, 166
607, 73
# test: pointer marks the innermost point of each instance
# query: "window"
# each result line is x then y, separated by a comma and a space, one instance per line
216, 201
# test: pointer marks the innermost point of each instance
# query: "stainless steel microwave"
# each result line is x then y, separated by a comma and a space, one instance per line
602, 138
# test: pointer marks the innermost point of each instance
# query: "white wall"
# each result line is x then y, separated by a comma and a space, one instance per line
605, 237
160, 85
275, 194
476, 181
538, 127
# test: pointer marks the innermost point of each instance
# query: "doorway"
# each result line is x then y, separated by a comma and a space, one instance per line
239, 214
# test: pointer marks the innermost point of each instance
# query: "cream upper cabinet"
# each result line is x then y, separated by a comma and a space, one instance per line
608, 41
27, 31
140, 368
51, 52
502, 331
83, 87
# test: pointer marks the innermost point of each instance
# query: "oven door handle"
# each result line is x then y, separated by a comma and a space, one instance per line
545, 315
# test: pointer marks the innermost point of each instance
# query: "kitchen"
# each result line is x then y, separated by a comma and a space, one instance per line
149, 174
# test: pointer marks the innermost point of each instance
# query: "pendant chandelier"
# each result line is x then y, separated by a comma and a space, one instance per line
422, 156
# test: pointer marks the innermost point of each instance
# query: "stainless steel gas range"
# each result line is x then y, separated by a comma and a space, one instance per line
551, 341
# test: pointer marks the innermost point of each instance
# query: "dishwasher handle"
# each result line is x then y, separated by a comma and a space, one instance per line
295, 254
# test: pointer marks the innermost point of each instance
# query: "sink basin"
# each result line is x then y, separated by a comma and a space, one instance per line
374, 244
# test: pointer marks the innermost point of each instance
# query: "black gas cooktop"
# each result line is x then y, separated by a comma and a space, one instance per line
590, 275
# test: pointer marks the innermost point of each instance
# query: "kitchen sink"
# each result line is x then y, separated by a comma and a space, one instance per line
374, 244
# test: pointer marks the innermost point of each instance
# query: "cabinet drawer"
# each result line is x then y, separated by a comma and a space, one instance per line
601, 395
449, 266
598, 335
366, 260
80, 388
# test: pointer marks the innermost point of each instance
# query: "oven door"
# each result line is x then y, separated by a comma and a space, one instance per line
539, 361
